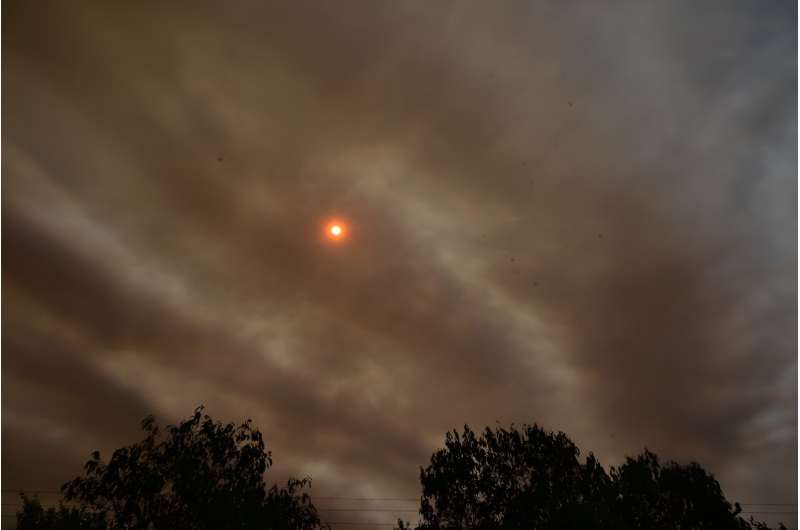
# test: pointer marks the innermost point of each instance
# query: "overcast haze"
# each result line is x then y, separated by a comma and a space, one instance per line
577, 214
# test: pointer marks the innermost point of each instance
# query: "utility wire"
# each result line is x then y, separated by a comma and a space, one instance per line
390, 510
767, 504
365, 510
347, 523
404, 499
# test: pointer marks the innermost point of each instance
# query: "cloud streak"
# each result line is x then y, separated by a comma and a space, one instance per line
577, 217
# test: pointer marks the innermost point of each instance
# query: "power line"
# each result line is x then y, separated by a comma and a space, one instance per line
767, 504
396, 510
47, 492
357, 523
367, 510
390, 510
405, 499
398, 499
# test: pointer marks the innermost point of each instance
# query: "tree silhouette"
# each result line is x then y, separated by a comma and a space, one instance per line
533, 479
198, 475
33, 516
205, 475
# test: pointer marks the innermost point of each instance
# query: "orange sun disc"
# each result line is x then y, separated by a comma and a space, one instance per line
336, 230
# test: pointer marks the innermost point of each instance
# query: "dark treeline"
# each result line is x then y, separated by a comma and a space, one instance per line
205, 475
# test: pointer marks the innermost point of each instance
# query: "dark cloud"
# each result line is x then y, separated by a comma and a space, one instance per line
572, 215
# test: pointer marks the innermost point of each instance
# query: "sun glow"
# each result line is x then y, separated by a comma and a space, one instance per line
336, 230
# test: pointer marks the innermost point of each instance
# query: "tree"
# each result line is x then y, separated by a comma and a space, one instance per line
530, 478
33, 516
652, 496
198, 475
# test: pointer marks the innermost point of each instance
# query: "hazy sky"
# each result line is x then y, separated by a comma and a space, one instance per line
577, 214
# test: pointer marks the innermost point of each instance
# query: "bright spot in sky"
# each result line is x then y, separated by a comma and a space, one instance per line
336, 230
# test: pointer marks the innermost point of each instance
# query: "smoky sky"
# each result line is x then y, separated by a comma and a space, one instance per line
578, 214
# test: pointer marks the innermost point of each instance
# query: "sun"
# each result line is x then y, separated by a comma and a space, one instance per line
336, 230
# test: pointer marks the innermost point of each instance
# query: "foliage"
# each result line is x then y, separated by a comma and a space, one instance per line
33, 516
529, 478
205, 475
198, 475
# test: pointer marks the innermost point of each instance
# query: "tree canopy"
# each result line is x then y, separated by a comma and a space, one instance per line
205, 475
198, 475
529, 478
